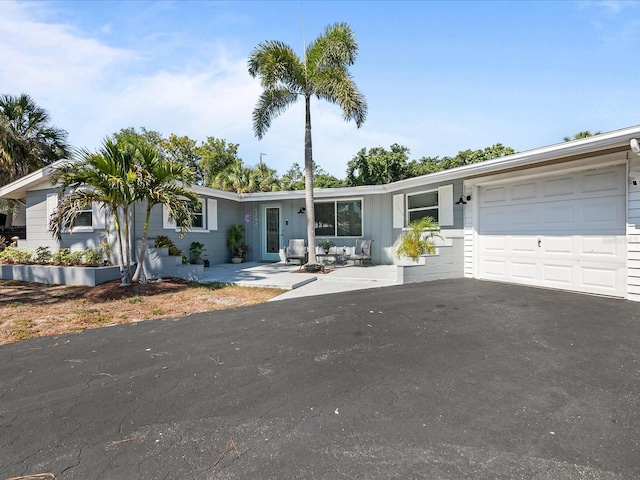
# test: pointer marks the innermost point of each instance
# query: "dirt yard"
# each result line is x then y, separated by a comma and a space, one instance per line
29, 310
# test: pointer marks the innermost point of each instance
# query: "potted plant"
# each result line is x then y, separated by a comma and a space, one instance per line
418, 240
235, 242
326, 244
196, 250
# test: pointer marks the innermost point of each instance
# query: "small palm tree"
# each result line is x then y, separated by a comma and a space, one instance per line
418, 240
323, 73
105, 177
162, 182
117, 176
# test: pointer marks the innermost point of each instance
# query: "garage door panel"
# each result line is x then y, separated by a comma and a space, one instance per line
557, 216
558, 246
558, 187
600, 278
523, 244
608, 247
493, 195
564, 232
524, 270
607, 182
560, 274
494, 268
604, 214
493, 243
524, 191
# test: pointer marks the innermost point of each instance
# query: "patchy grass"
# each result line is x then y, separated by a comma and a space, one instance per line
30, 310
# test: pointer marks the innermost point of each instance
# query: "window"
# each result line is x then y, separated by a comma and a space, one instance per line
84, 217
92, 216
339, 219
423, 204
205, 216
198, 214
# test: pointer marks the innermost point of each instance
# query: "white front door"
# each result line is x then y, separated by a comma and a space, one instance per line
565, 232
271, 232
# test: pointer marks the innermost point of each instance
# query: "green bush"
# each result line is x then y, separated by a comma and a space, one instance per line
61, 257
162, 241
42, 255
92, 257
16, 255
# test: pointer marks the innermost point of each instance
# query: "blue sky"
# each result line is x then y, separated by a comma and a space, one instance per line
438, 76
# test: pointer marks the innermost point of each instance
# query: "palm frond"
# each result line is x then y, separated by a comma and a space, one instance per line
270, 105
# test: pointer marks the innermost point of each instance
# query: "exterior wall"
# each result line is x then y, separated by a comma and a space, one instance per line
633, 234
39, 235
449, 232
377, 223
215, 241
446, 264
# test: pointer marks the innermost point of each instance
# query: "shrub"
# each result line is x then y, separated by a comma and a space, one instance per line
162, 241
42, 255
61, 257
16, 255
92, 257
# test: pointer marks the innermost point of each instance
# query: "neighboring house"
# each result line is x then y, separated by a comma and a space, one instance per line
565, 216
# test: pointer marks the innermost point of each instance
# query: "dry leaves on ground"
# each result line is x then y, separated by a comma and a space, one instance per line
29, 310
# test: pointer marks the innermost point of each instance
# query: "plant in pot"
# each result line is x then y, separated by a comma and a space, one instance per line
235, 242
418, 240
196, 249
326, 244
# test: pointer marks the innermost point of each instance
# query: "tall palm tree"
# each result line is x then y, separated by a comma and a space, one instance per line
162, 182
323, 73
27, 141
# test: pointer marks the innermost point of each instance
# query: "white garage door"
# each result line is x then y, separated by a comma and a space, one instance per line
564, 232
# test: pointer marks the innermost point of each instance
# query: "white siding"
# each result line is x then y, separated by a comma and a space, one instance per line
633, 238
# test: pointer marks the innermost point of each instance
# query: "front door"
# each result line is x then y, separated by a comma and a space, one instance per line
272, 232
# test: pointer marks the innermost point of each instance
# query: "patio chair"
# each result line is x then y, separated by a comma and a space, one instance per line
296, 250
362, 251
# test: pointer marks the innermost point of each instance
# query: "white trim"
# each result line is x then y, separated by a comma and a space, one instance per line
398, 211
212, 214
445, 205
422, 192
264, 255
52, 203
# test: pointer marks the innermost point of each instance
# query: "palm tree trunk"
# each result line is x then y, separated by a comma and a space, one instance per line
308, 183
143, 245
118, 227
126, 280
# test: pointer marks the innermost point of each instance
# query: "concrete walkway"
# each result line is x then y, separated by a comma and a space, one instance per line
299, 283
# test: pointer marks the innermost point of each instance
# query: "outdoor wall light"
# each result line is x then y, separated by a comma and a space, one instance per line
302, 210
463, 200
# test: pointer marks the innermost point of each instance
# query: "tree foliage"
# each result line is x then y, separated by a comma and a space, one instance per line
378, 166
418, 239
579, 135
27, 140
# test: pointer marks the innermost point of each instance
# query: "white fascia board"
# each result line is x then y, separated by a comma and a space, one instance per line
214, 192
18, 189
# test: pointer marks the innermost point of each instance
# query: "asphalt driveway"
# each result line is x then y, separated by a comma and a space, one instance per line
444, 380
